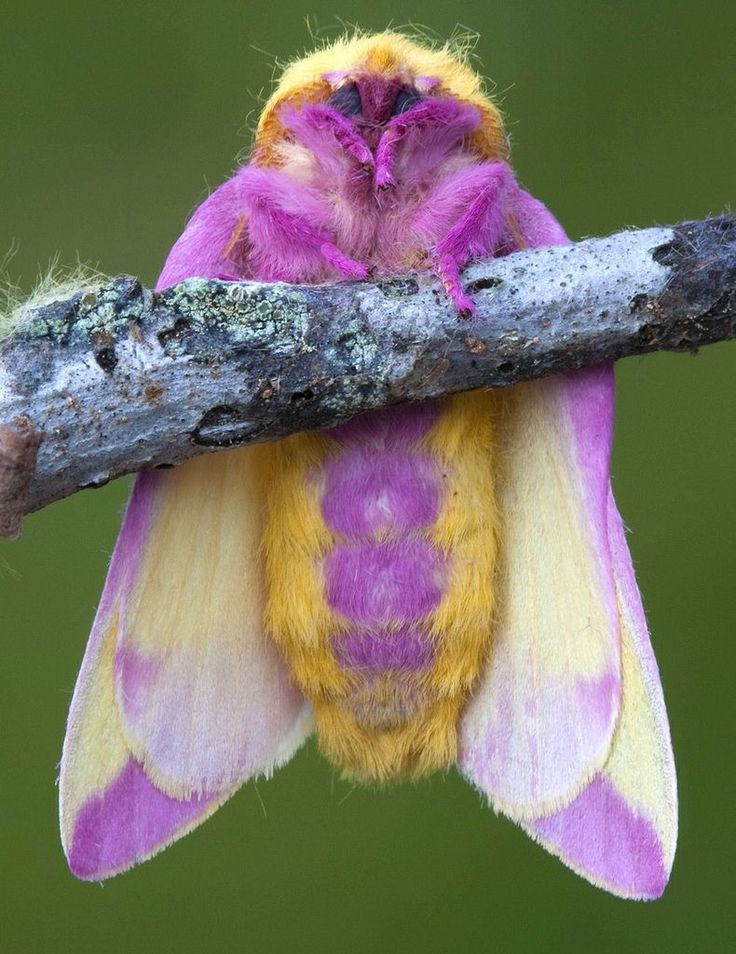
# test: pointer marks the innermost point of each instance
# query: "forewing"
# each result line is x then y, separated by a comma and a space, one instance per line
181, 697
621, 831
212, 244
567, 732
540, 723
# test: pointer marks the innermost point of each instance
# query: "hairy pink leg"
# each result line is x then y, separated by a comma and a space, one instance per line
313, 122
301, 231
294, 222
477, 232
348, 266
428, 115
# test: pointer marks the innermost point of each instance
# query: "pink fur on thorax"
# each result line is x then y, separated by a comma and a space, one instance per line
324, 212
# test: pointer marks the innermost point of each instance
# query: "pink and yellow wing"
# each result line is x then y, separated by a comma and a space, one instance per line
621, 831
181, 697
567, 732
213, 243
541, 722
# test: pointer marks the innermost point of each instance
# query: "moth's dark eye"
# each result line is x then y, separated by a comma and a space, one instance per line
346, 100
405, 99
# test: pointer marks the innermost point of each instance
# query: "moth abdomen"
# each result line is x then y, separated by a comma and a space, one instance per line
391, 563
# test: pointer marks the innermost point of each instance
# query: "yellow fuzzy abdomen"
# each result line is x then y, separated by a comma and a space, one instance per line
380, 546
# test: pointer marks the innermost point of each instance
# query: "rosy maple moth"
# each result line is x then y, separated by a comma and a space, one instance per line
427, 585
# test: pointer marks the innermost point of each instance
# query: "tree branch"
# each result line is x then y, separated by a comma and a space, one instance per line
119, 379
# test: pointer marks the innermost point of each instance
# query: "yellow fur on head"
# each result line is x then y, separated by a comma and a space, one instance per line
313, 78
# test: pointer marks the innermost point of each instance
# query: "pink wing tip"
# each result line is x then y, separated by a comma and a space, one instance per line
127, 823
603, 838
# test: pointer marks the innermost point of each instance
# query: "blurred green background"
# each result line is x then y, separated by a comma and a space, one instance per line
114, 120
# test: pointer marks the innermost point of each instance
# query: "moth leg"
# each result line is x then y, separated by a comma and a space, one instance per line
314, 123
455, 120
479, 230
292, 225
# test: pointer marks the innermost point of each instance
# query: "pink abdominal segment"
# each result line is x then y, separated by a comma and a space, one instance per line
381, 650
384, 576
369, 492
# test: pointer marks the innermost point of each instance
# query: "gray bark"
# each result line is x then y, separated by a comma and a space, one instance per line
119, 379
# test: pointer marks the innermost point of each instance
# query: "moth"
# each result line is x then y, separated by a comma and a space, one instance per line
429, 585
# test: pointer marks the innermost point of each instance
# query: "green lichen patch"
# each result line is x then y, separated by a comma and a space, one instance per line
355, 344
210, 317
107, 312
51, 307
